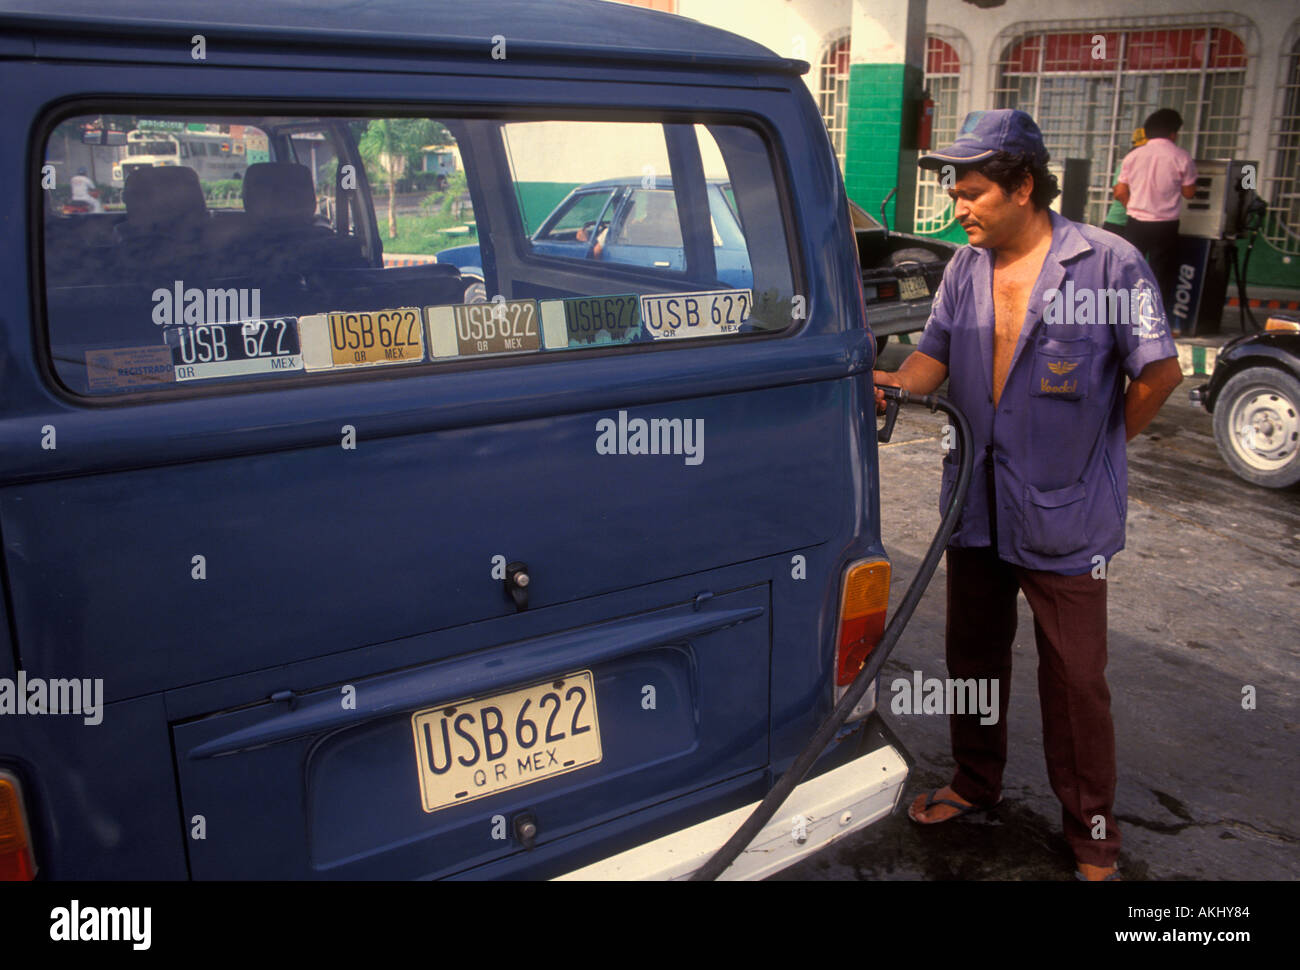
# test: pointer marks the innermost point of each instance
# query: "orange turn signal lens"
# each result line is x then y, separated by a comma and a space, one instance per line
1279, 324
16, 861
864, 602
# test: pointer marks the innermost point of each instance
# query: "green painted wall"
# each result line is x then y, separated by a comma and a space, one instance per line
875, 128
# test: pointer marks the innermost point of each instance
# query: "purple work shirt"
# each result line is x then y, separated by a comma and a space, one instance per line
1056, 448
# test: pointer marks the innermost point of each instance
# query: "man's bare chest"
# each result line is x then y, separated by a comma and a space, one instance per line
1012, 288
1011, 291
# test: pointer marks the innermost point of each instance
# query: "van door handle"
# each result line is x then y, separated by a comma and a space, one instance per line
517, 582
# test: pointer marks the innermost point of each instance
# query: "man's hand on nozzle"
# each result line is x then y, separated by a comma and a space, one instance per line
887, 379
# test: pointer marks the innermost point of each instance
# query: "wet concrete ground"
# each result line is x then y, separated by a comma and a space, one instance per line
1204, 600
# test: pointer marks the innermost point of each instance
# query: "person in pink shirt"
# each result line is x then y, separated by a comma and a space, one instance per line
1153, 181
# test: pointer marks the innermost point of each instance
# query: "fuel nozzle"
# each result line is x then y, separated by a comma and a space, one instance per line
894, 396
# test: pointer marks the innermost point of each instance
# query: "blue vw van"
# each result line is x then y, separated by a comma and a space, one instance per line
316, 566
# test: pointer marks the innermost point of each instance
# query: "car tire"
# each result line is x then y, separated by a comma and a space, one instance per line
475, 290
912, 254
1257, 426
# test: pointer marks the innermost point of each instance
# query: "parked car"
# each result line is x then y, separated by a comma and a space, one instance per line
365, 580
629, 221
1254, 396
900, 273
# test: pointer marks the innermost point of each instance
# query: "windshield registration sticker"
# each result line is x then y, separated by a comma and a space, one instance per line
685, 315
591, 320
116, 367
364, 338
484, 329
205, 351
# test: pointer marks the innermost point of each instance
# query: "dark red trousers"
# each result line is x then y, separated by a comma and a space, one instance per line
1078, 737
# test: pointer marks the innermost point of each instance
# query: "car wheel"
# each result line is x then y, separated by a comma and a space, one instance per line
475, 290
1257, 426
912, 254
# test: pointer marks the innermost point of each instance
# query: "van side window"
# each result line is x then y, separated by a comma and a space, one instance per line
649, 209
201, 251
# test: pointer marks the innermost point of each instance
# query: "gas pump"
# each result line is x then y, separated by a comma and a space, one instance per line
1224, 210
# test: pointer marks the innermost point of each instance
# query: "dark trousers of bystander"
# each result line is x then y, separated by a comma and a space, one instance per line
1078, 736
1158, 242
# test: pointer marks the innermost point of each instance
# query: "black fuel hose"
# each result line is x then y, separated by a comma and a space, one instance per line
762, 814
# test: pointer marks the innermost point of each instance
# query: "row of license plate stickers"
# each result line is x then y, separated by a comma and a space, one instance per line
685, 315
591, 321
483, 329
365, 338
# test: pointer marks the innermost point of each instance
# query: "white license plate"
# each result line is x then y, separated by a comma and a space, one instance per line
485, 745
913, 287
685, 315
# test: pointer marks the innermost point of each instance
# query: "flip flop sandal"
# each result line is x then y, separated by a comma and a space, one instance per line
934, 799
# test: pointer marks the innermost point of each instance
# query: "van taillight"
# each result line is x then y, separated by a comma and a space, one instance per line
863, 604
17, 863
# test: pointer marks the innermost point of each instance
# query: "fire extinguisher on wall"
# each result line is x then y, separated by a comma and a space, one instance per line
924, 122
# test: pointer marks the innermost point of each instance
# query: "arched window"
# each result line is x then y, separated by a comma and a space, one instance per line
1282, 191
833, 94
1089, 89
943, 81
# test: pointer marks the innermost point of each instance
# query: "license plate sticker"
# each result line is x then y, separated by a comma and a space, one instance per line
686, 315
204, 351
587, 321
364, 338
481, 746
484, 329
913, 287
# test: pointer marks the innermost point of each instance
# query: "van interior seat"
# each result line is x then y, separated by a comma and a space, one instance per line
166, 217
80, 248
281, 233
164, 201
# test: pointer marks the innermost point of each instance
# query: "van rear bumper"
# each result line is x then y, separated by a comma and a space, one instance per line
831, 806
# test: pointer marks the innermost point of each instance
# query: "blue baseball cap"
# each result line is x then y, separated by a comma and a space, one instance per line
985, 133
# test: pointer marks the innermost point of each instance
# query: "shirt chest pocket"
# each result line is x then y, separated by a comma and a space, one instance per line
1061, 369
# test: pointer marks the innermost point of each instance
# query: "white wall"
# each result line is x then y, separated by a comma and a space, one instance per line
792, 28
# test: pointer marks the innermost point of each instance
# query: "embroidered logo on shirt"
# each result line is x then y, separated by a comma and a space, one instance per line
1061, 367
1149, 321
1065, 387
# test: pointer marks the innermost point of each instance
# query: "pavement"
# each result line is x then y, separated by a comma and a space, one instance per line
1204, 603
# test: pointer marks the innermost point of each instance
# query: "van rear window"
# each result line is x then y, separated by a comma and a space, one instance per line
197, 251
